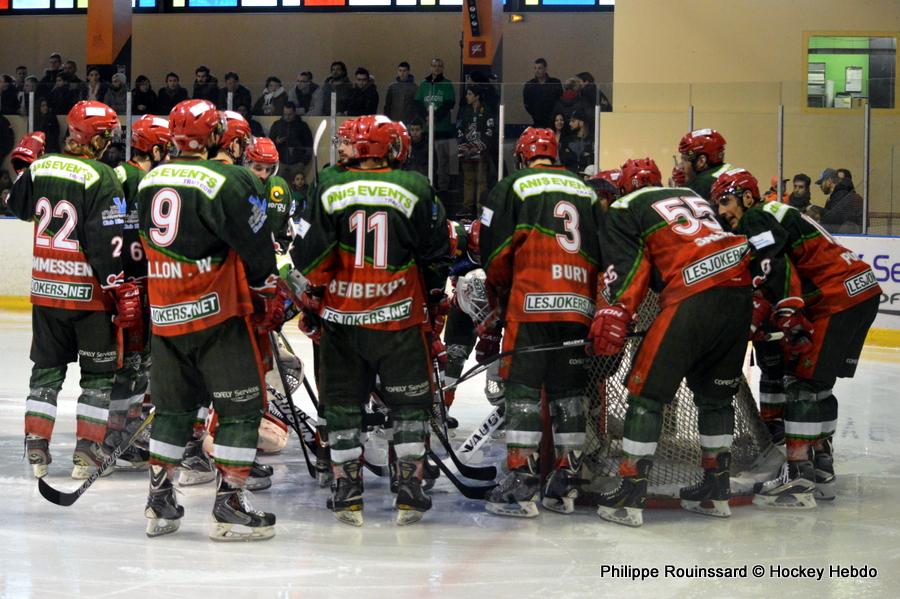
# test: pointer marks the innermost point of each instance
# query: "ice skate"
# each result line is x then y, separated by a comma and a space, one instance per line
625, 504
133, 459
710, 495
324, 474
236, 519
260, 477
792, 489
162, 511
430, 474
347, 494
411, 501
564, 485
823, 460
196, 466
38, 451
516, 494
87, 457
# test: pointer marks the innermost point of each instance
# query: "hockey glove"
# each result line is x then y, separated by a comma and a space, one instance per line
798, 330
488, 346
762, 311
269, 303
310, 323
678, 178
609, 330
439, 352
128, 305
438, 307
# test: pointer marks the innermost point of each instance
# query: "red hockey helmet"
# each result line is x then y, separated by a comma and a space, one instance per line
88, 118
607, 184
536, 143
638, 173
236, 127
453, 228
29, 148
263, 151
703, 141
192, 122
372, 136
400, 149
734, 182
342, 138
473, 243
149, 131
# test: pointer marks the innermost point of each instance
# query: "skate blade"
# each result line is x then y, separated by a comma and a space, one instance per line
718, 508
187, 478
825, 491
157, 527
232, 533
82, 472
405, 517
258, 484
560, 505
39, 470
125, 466
521, 509
628, 516
353, 517
794, 501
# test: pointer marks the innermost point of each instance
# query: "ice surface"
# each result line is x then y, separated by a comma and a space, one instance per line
97, 547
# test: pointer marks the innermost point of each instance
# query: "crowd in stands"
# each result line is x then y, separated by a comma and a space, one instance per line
466, 131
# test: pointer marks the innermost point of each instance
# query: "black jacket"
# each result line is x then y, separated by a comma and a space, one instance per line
843, 210
539, 99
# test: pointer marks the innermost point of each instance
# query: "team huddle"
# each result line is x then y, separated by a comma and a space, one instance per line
174, 273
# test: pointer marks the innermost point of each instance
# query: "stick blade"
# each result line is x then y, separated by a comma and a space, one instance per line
54, 496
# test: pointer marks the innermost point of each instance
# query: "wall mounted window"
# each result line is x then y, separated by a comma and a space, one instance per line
850, 70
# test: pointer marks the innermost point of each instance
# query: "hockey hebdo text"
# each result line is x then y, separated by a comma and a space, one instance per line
773, 571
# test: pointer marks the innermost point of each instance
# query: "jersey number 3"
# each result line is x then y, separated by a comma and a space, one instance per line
570, 241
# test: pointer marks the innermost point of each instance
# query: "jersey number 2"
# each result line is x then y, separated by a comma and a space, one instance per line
378, 223
60, 240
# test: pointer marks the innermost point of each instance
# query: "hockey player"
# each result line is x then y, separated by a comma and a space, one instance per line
78, 207
840, 298
210, 260
539, 245
373, 244
668, 240
702, 160
150, 145
235, 140
261, 157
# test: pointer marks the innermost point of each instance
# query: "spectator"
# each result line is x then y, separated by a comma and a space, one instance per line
338, 83
438, 92
364, 96
418, 148
61, 100
844, 207
476, 136
143, 98
571, 99
7, 138
256, 127
592, 94
49, 79
9, 97
560, 128
273, 100
294, 141
540, 95
21, 74
800, 197
171, 94
31, 85
70, 68
771, 194
489, 96
5, 180
814, 212
116, 96
240, 94
206, 87
299, 192
93, 89
306, 95
400, 98
577, 151
46, 121
844, 173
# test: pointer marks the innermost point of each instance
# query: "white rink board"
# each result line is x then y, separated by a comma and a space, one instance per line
883, 255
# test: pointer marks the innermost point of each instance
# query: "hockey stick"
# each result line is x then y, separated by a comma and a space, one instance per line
66, 499
470, 492
290, 402
480, 435
320, 131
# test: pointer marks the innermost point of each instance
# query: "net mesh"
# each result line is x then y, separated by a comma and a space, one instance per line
677, 461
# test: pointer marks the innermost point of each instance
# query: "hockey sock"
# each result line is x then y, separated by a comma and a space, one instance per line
199, 424
567, 412
170, 433
771, 395
643, 425
523, 423
40, 406
715, 420
92, 412
235, 447
804, 414
828, 408
409, 433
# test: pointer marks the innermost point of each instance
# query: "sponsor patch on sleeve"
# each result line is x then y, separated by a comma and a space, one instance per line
302, 228
487, 215
763, 240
